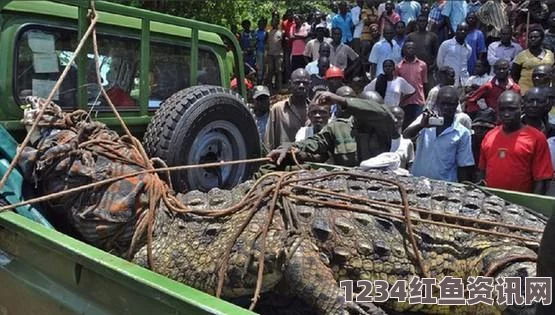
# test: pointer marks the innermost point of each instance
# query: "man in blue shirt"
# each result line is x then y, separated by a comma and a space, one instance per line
344, 21
408, 10
454, 12
443, 152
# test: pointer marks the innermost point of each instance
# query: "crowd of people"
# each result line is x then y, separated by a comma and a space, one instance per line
454, 91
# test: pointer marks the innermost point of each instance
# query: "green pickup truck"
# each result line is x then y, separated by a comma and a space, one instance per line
146, 59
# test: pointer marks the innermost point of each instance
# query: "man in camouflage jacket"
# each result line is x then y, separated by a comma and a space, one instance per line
348, 141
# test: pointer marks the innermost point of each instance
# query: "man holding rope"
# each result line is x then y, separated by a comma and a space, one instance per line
347, 141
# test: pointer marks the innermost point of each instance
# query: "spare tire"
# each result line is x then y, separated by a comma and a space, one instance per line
204, 124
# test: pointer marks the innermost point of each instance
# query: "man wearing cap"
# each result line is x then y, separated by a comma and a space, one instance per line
347, 141
286, 117
491, 91
517, 148
261, 108
312, 48
334, 77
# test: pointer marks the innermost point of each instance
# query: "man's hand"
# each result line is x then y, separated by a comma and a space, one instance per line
425, 122
277, 155
329, 98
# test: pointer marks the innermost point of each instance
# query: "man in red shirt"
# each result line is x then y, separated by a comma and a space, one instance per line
415, 72
514, 156
490, 91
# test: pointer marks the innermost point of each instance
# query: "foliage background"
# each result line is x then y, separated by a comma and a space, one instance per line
226, 12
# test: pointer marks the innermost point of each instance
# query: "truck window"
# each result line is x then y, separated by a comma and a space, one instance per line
208, 69
170, 67
169, 71
41, 55
119, 59
43, 52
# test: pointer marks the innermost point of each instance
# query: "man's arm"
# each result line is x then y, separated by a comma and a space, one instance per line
414, 129
355, 62
477, 95
270, 130
373, 69
542, 169
492, 57
355, 16
465, 173
354, 65
441, 54
308, 51
515, 71
373, 59
465, 158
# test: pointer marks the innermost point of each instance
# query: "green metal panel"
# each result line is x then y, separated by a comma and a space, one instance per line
82, 60
50, 273
541, 204
194, 58
144, 91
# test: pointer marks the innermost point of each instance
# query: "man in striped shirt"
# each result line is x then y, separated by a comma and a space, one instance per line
436, 21
493, 16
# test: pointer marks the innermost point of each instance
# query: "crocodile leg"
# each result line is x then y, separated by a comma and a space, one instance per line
310, 279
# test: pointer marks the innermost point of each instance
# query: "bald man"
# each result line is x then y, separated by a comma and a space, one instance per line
400, 145
536, 110
443, 151
516, 147
288, 116
372, 96
541, 76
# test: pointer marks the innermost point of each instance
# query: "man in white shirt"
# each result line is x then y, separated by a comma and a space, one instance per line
324, 51
454, 53
386, 48
312, 48
404, 148
358, 24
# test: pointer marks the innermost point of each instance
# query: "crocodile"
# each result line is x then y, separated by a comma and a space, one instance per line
325, 227
330, 243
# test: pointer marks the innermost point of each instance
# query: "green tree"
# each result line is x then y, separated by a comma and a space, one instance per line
226, 12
